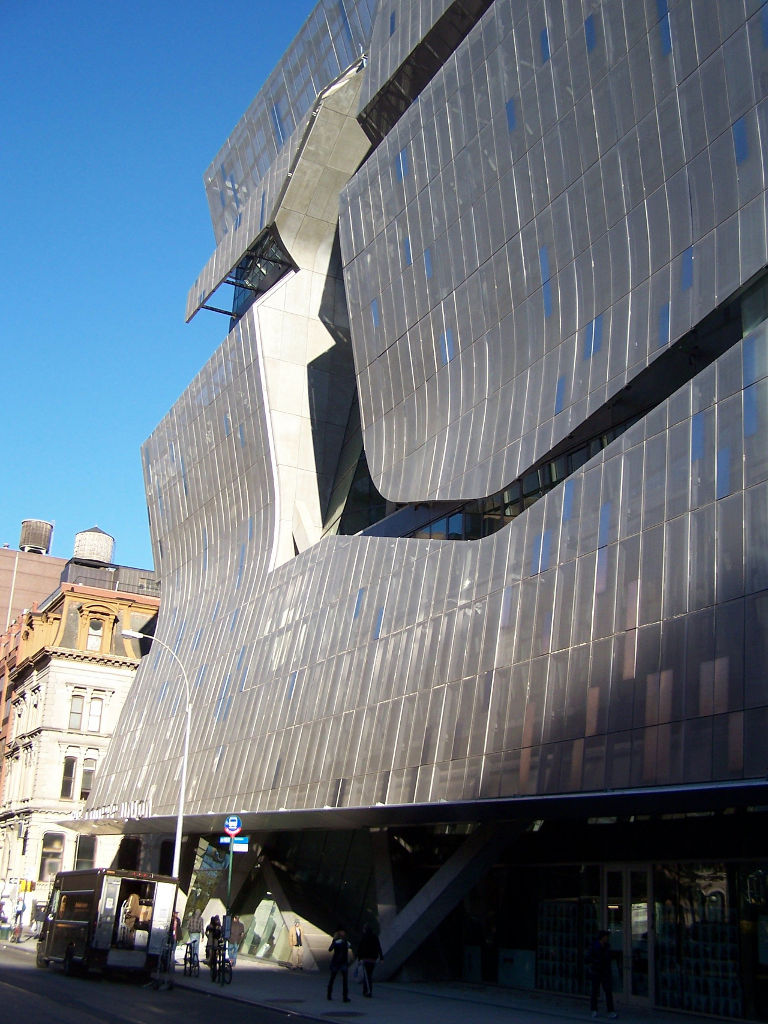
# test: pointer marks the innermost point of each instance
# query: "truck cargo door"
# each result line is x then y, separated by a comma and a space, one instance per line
165, 894
108, 906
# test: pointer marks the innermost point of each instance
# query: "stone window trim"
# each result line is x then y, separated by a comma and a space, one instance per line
84, 715
68, 776
77, 708
96, 628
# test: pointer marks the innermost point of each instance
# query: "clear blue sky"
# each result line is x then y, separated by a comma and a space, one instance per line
110, 114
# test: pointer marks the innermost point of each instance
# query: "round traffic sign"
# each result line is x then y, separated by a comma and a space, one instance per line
233, 825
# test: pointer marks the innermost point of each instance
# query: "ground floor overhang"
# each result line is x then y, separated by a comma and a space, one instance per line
668, 800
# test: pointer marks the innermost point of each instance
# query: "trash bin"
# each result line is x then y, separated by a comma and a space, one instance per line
5, 932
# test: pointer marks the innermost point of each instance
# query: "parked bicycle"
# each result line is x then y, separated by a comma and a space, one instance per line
191, 961
221, 965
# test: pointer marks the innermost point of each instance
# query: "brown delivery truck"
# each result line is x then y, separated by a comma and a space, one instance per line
101, 919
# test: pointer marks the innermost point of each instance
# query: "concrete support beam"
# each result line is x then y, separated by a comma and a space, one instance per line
406, 932
385, 886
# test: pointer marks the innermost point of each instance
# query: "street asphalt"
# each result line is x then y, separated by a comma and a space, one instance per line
304, 993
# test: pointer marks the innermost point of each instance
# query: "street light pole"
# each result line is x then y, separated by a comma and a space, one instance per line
133, 634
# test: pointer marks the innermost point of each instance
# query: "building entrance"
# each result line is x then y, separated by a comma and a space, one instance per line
626, 901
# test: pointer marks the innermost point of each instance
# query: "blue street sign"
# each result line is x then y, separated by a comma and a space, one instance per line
233, 825
237, 845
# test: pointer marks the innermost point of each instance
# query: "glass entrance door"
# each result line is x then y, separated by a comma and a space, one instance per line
626, 906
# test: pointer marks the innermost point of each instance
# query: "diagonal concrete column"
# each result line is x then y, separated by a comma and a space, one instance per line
385, 886
402, 936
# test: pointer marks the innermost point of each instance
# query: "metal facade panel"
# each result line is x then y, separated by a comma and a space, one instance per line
397, 30
629, 218
334, 36
612, 636
556, 656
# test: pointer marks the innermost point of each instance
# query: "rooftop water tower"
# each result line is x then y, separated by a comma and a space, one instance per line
36, 536
94, 545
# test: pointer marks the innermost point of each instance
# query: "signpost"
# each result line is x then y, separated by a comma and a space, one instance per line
233, 826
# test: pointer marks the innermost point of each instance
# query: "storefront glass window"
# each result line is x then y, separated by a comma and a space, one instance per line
753, 936
697, 953
532, 933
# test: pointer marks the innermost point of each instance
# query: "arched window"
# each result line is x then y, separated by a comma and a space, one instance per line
95, 634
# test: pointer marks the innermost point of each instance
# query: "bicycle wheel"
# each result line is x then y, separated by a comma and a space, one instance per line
188, 963
195, 966
225, 976
214, 968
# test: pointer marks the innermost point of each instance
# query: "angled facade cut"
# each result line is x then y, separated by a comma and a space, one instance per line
498, 269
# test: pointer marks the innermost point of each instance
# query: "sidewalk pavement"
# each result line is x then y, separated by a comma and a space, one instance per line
304, 993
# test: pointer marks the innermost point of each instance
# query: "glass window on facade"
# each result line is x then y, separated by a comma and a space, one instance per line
50, 859
94, 714
455, 527
754, 306
529, 928
76, 711
68, 778
346, 887
753, 932
86, 783
85, 855
95, 634
265, 931
683, 936
697, 939
363, 505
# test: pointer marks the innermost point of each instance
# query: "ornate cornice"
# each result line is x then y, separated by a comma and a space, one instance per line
86, 657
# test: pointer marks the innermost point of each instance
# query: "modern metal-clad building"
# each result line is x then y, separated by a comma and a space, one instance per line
498, 270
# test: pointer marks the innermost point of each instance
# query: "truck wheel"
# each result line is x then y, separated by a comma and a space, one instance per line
40, 959
68, 966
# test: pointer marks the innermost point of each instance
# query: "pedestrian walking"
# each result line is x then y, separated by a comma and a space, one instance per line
174, 937
600, 963
236, 936
212, 936
18, 920
195, 929
340, 949
368, 953
296, 938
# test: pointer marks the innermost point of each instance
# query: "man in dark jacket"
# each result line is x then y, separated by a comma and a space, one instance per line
340, 949
600, 960
212, 936
368, 952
